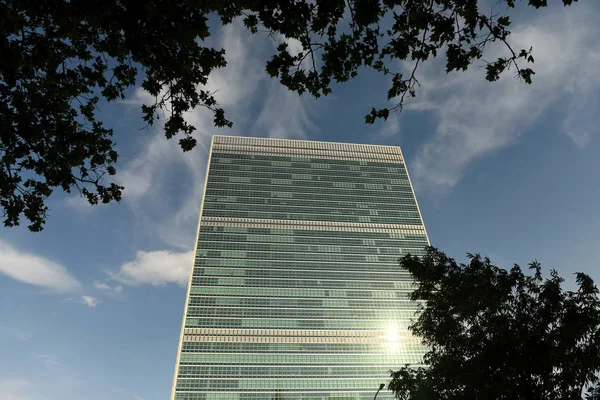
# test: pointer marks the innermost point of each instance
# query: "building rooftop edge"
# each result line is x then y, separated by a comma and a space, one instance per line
306, 140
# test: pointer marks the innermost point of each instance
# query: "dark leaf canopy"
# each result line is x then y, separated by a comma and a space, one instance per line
60, 58
500, 334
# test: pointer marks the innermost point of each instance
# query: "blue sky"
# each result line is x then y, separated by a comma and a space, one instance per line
91, 307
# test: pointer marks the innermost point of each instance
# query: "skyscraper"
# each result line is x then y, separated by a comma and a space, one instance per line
296, 292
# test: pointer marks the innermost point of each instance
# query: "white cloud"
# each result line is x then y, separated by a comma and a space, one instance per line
35, 270
16, 334
90, 301
101, 286
232, 85
141, 173
148, 179
391, 127
48, 359
476, 117
79, 203
15, 389
156, 268
285, 114
108, 290
244, 72
295, 48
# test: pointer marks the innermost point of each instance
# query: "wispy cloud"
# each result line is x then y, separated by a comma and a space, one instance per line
391, 127
91, 301
49, 360
157, 208
107, 288
476, 117
285, 114
101, 286
138, 175
35, 270
170, 214
244, 72
16, 389
16, 334
156, 268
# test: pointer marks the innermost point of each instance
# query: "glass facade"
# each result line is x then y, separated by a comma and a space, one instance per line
296, 292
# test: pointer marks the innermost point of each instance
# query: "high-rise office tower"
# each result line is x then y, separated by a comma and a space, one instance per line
296, 292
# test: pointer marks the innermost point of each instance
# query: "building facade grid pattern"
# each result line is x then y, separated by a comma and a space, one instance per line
295, 291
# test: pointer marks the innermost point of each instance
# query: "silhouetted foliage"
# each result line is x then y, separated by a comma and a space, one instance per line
60, 58
498, 334
593, 393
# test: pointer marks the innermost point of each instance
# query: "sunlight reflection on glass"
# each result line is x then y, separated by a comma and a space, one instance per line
392, 337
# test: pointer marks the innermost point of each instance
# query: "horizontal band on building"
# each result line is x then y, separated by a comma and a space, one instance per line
304, 224
287, 332
381, 339
318, 154
304, 144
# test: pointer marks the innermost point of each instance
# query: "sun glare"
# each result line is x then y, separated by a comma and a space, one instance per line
392, 334
392, 338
